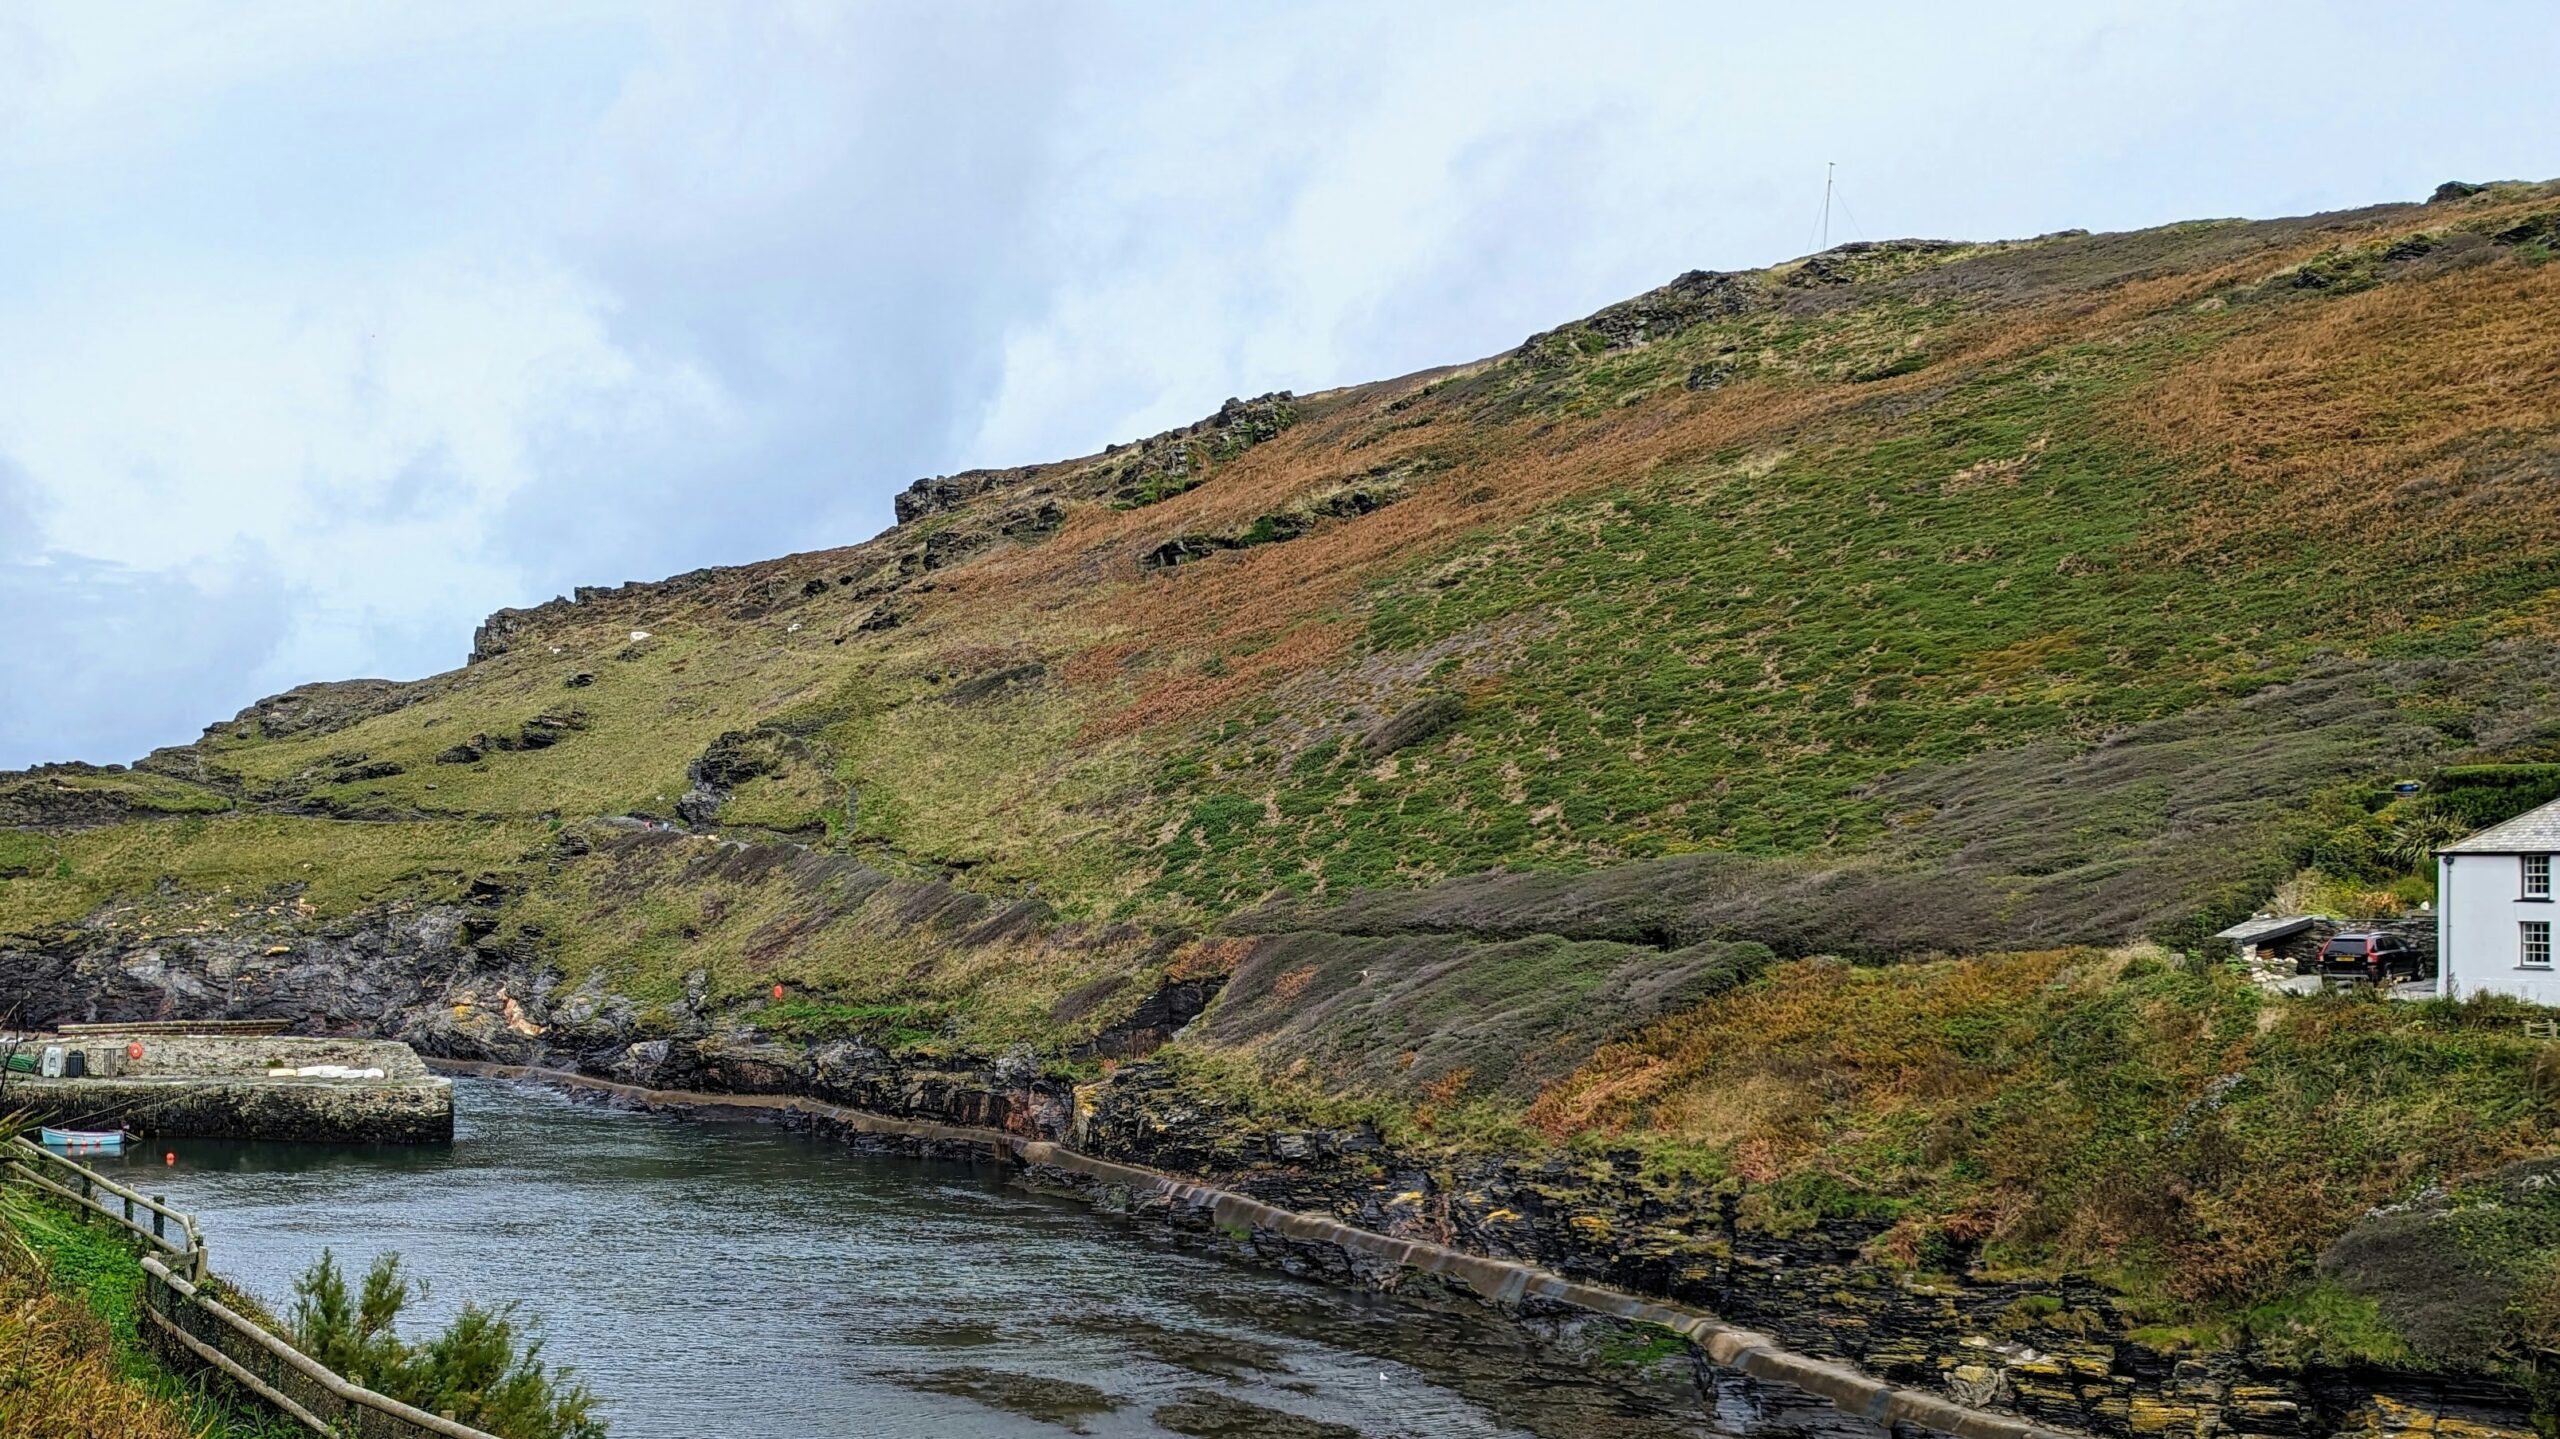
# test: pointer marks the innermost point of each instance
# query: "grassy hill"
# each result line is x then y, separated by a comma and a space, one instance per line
1910, 599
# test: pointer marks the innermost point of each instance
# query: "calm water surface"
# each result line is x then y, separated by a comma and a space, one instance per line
712, 1278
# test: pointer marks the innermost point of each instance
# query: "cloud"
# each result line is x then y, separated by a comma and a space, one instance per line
346, 438
325, 330
125, 656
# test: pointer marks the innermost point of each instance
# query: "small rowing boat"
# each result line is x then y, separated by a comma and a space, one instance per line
83, 1141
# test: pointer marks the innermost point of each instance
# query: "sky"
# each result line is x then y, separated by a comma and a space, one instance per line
327, 329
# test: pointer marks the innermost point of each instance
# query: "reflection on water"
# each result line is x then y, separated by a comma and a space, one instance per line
735, 1279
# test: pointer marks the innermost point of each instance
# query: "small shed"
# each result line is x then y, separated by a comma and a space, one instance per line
2280, 938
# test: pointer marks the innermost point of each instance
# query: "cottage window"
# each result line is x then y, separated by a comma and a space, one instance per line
2533, 949
2537, 876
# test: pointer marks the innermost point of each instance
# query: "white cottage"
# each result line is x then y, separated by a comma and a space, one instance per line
2494, 910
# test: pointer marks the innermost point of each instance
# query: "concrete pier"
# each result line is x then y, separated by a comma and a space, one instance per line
232, 1088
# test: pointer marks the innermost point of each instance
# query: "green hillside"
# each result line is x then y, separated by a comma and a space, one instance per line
1535, 748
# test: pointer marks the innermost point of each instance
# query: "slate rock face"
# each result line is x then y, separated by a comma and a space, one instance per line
540, 732
355, 976
731, 760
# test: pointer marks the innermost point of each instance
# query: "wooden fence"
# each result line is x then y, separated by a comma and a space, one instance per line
196, 1330
199, 1329
164, 1230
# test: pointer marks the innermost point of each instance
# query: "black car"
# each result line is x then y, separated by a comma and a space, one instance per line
2373, 957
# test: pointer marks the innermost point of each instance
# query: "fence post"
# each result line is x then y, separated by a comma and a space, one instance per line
128, 1211
159, 1220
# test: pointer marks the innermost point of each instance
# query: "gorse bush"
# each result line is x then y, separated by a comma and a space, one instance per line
485, 1369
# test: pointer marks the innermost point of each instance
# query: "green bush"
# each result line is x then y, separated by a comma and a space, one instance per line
2480, 795
485, 1369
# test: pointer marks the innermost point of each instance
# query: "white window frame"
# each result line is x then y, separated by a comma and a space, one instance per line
2537, 876
2533, 937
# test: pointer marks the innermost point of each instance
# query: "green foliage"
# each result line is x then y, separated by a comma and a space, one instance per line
2170, 1127
2394, 839
2480, 795
94, 1265
1728, 656
84, 1259
200, 867
2469, 1269
859, 951
22, 853
2325, 1325
1641, 1346
485, 1368
899, 1026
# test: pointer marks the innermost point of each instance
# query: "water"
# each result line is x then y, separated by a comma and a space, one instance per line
715, 1278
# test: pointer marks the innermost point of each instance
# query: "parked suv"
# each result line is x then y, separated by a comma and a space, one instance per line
2375, 957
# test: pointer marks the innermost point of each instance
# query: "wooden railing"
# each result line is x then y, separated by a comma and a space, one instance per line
193, 1327
165, 1230
211, 1333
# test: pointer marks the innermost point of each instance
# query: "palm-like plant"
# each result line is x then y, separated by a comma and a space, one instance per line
2419, 832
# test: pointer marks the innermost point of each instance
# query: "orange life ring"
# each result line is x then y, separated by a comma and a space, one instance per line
133, 1050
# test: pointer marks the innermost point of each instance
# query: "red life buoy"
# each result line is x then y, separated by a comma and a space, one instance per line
133, 1050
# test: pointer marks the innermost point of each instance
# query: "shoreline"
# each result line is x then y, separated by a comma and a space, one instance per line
1501, 1284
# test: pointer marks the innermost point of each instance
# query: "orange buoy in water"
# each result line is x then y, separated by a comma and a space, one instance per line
169, 1158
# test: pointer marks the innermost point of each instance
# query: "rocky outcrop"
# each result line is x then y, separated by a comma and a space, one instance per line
1693, 299
949, 492
1146, 470
1162, 466
733, 592
735, 758
540, 732
361, 975
1861, 260
318, 708
50, 797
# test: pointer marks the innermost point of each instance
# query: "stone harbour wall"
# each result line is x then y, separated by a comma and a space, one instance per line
203, 1088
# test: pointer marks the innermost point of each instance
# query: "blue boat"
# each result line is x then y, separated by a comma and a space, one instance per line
83, 1141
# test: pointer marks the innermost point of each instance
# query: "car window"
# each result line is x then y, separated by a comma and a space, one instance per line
2343, 948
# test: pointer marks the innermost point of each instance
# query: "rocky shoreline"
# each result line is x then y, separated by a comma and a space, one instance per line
2028, 1354
1312, 1246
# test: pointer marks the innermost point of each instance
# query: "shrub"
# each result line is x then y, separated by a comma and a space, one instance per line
485, 1369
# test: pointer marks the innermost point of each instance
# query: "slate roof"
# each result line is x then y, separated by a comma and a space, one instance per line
2266, 927
2536, 831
